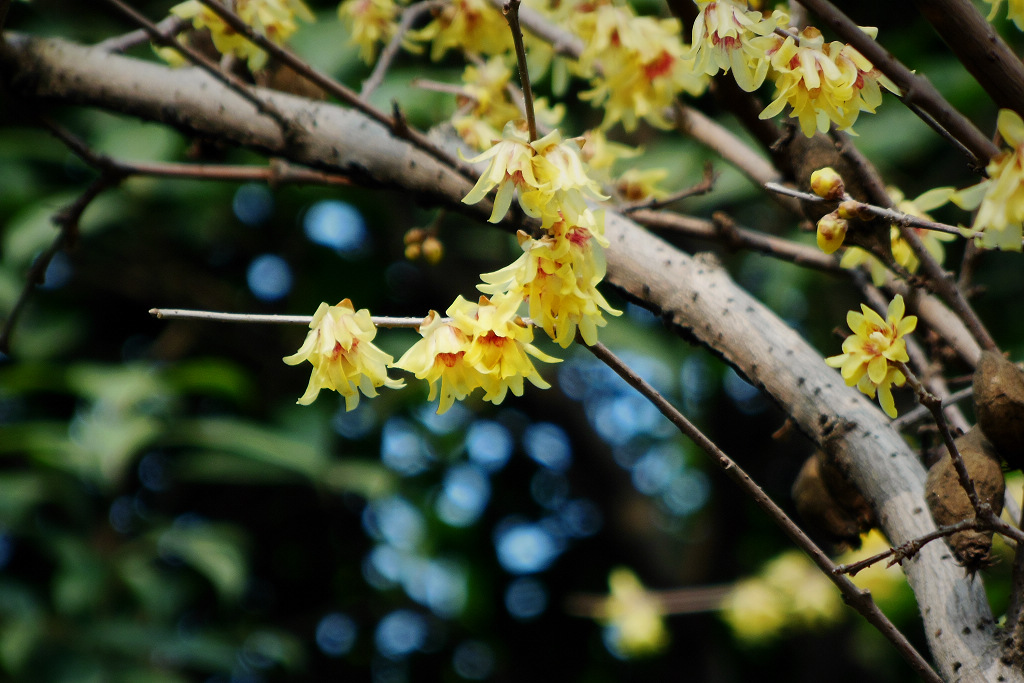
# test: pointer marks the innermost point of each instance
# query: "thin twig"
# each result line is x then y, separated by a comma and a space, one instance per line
200, 60
511, 11
922, 413
855, 597
705, 185
338, 90
915, 89
67, 220
907, 550
739, 238
387, 56
169, 26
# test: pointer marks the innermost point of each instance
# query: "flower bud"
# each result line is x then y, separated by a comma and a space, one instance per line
415, 236
852, 209
827, 183
413, 251
433, 250
831, 232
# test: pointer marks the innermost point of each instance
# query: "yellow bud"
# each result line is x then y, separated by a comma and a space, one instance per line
831, 232
413, 251
827, 183
433, 250
415, 236
852, 209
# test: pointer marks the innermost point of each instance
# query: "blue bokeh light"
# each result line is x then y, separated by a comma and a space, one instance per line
58, 272
489, 444
153, 471
395, 521
746, 396
654, 471
269, 277
580, 518
548, 445
440, 585
549, 488
400, 633
338, 225
354, 424
253, 203
687, 493
403, 449
336, 634
526, 598
465, 493
454, 418
525, 548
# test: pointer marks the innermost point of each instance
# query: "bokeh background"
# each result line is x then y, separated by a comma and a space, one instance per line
167, 513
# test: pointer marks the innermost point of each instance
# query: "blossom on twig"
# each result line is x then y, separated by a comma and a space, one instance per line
339, 346
870, 352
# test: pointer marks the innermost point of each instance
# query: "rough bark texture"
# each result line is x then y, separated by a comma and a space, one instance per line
694, 295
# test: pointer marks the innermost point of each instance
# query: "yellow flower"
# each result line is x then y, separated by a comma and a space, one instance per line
548, 174
823, 83
600, 153
726, 36
501, 346
869, 352
439, 358
633, 615
484, 345
275, 19
789, 592
511, 167
472, 26
638, 65
1014, 13
558, 276
1001, 197
371, 23
635, 185
339, 346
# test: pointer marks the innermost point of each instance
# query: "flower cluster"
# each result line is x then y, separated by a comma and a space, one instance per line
370, 23
1000, 198
340, 348
557, 273
870, 352
729, 37
486, 106
637, 65
635, 618
473, 26
824, 83
275, 19
484, 345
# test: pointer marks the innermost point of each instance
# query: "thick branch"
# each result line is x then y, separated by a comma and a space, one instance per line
695, 296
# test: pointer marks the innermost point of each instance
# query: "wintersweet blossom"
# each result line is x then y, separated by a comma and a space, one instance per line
870, 352
1001, 196
558, 275
823, 83
371, 23
637, 65
484, 345
1015, 12
633, 616
548, 175
340, 347
727, 36
473, 26
275, 19
511, 167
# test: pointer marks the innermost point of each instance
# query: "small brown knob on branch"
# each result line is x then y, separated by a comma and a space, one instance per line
999, 405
